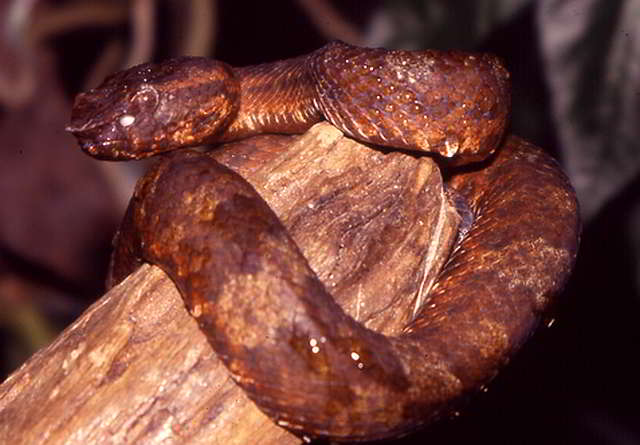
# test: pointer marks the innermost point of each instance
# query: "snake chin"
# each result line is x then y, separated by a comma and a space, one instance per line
111, 150
103, 141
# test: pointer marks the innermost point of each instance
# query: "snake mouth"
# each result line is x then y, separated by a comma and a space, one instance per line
94, 141
115, 150
107, 141
99, 140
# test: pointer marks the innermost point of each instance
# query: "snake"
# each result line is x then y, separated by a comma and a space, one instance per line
231, 258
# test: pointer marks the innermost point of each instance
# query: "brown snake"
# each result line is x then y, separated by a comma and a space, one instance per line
502, 275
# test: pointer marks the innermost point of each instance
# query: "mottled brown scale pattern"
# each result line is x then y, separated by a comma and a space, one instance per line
454, 104
450, 103
232, 259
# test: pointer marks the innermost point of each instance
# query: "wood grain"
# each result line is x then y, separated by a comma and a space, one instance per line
135, 367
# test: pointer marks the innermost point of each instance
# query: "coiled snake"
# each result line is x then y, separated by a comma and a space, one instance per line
517, 253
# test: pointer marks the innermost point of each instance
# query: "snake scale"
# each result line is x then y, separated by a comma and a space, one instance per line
356, 384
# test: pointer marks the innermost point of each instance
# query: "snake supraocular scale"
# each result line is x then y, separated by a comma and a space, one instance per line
516, 254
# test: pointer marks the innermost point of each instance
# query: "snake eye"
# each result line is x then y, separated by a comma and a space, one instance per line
141, 106
146, 98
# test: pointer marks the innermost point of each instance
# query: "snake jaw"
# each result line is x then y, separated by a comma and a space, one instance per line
104, 141
96, 140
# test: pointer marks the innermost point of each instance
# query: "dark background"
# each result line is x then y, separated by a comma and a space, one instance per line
574, 383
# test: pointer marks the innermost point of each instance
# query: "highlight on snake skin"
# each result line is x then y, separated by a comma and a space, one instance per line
451, 103
234, 260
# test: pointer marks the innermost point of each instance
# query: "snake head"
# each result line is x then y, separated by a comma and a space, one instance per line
153, 108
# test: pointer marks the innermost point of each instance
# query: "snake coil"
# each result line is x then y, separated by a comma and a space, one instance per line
515, 256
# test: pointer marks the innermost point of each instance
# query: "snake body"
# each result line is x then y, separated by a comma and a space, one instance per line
451, 103
341, 380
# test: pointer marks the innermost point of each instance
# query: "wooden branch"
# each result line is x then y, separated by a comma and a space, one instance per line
132, 369
135, 368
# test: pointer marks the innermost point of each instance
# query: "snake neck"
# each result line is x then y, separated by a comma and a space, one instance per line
276, 97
